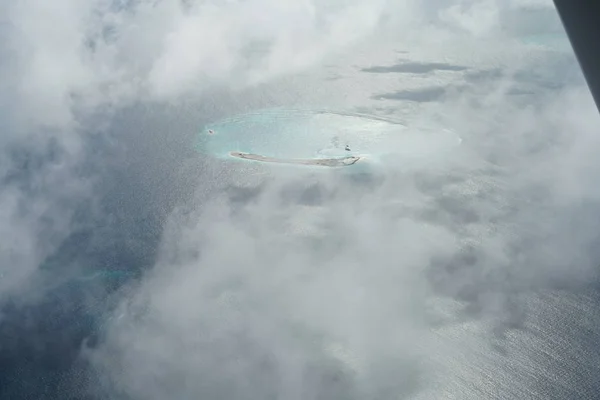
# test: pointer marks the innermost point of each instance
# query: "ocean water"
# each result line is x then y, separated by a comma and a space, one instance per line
471, 273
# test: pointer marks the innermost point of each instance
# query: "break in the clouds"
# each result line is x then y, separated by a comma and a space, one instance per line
253, 282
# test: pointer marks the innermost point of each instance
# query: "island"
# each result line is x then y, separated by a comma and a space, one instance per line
321, 162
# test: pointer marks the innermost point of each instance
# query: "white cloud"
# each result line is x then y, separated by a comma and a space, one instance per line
274, 294
67, 60
476, 17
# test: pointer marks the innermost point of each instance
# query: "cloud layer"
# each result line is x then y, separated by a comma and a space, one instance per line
255, 283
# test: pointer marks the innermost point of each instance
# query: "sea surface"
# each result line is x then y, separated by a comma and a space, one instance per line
471, 274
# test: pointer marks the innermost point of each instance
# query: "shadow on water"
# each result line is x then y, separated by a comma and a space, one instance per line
418, 95
414, 68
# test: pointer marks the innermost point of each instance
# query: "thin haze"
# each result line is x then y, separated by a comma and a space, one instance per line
254, 283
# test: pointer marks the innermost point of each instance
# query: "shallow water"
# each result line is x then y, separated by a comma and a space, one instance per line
293, 134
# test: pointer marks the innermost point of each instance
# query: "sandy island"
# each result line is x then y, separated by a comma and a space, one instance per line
321, 162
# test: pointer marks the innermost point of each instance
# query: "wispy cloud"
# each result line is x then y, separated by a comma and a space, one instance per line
290, 285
